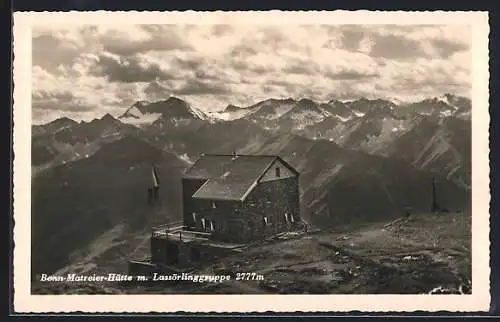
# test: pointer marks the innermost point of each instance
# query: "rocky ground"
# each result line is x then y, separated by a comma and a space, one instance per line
420, 254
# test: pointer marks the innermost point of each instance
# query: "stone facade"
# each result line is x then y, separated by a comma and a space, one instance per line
270, 208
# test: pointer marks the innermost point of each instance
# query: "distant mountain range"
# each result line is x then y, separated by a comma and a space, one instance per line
302, 112
361, 160
373, 126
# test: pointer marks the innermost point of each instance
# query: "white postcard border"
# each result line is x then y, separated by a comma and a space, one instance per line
479, 300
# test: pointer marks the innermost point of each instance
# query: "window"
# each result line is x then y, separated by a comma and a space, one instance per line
212, 225
194, 217
203, 224
291, 217
286, 217
265, 221
214, 205
277, 171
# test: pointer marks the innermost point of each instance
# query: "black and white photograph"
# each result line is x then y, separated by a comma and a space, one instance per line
229, 157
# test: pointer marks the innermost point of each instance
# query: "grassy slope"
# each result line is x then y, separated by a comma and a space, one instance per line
418, 256
76, 203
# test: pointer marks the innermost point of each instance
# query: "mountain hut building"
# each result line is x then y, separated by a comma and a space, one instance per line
228, 202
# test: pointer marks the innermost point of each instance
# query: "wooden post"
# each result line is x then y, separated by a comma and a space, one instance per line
150, 196
434, 207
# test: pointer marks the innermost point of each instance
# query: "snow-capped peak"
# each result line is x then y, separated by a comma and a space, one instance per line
456, 102
196, 112
444, 99
137, 115
133, 112
396, 101
141, 103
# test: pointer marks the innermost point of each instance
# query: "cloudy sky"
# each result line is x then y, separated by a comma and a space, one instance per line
87, 71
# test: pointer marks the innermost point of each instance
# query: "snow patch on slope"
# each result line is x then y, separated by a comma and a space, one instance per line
185, 157
196, 112
134, 113
444, 99
358, 113
342, 119
305, 118
279, 111
229, 116
140, 119
446, 113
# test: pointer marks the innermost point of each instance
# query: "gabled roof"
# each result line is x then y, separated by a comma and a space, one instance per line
230, 178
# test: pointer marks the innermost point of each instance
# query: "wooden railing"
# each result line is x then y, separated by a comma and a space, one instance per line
169, 226
177, 230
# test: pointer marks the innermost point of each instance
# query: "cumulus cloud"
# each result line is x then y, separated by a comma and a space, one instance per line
198, 87
351, 39
156, 90
394, 47
129, 69
87, 71
146, 38
64, 101
350, 75
445, 48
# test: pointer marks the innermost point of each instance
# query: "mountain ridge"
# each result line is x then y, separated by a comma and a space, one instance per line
369, 125
161, 106
177, 107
